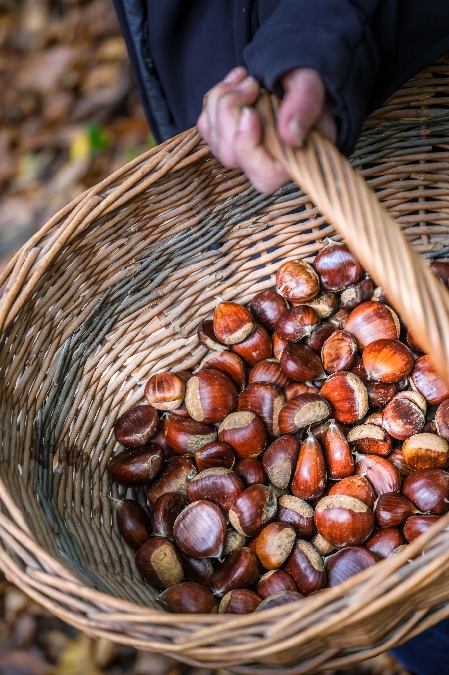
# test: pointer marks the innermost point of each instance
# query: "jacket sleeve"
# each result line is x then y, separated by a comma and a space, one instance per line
335, 37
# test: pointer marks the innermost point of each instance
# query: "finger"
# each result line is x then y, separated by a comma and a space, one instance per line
264, 173
210, 99
228, 111
326, 124
302, 105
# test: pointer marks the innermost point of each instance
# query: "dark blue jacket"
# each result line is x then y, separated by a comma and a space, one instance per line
363, 50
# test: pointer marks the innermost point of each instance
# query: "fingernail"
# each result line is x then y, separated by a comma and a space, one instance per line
245, 119
246, 84
297, 131
233, 74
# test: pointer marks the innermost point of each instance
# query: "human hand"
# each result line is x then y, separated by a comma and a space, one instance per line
233, 128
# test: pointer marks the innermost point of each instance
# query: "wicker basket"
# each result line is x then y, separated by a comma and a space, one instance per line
112, 289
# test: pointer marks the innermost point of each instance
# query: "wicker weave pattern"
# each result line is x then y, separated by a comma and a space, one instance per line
110, 291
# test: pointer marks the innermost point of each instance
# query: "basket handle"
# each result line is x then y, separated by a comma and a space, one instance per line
347, 202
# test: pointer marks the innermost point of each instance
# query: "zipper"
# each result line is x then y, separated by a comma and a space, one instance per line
254, 18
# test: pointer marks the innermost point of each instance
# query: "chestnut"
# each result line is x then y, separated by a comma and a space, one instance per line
306, 566
343, 521
297, 388
325, 304
275, 581
379, 295
301, 363
165, 511
232, 323
425, 380
207, 338
165, 391
220, 486
245, 432
159, 563
355, 486
200, 530
384, 542
297, 513
430, 427
297, 281
174, 478
372, 321
215, 454
392, 509
347, 395
278, 345
234, 540
375, 418
254, 508
321, 544
296, 323
199, 570
339, 319
159, 439
266, 307
138, 466
133, 523
319, 335
187, 436
370, 439
309, 479
210, 396
347, 563
269, 372
387, 360
136, 426
428, 490
426, 451
239, 601
416, 525
380, 393
397, 459
228, 363
412, 342
337, 453
442, 420
302, 411
256, 347
441, 270
339, 352
265, 401
318, 430
354, 295
189, 598
402, 417
337, 266
282, 598
240, 569
250, 471
383, 476
279, 460
274, 544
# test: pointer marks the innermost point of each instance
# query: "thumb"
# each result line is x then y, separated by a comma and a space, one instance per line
301, 106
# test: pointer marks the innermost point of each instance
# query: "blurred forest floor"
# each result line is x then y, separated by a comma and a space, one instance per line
69, 116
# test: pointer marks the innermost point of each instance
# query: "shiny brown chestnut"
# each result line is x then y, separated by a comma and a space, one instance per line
189, 598
337, 453
228, 363
297, 388
253, 509
207, 338
265, 401
339, 352
441, 270
343, 521
375, 418
250, 471
347, 395
412, 342
220, 486
416, 525
199, 570
274, 544
275, 581
239, 601
318, 430
428, 490
297, 513
301, 363
430, 427
355, 486
269, 371
165, 391
373, 321
177, 472
321, 544
442, 420
165, 511
387, 361
133, 523
319, 335
296, 323
278, 599
158, 562
339, 319
354, 295
426, 451
200, 530
370, 439
380, 393
306, 567
234, 540
347, 563
240, 569
187, 436
392, 509
425, 380
213, 455
138, 466
397, 459
302, 411
256, 347
279, 460
309, 479
136, 426
266, 307
232, 323
245, 432
402, 418
278, 345
383, 476
325, 304
210, 396
337, 267
384, 542
297, 281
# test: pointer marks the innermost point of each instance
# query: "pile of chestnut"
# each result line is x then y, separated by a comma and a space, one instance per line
310, 443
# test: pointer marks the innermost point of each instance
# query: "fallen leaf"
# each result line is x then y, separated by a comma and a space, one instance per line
78, 658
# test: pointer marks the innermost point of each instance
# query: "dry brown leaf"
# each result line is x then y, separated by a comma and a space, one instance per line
78, 658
